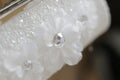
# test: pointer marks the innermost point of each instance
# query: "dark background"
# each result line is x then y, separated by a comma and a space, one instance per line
107, 47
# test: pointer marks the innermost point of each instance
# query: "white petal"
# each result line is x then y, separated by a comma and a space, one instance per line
53, 55
72, 55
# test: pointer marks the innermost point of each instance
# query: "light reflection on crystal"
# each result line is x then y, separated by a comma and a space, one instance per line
59, 40
21, 20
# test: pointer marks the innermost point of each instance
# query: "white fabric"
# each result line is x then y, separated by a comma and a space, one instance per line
28, 37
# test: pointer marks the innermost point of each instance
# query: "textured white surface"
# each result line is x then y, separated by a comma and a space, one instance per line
28, 42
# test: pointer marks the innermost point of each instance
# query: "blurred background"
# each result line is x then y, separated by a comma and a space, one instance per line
102, 58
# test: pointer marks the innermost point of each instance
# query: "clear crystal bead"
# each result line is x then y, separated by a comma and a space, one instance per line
59, 40
27, 65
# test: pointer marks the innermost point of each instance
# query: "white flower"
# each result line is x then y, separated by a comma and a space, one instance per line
22, 63
61, 36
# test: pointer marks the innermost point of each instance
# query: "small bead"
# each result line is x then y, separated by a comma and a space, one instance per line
58, 40
27, 65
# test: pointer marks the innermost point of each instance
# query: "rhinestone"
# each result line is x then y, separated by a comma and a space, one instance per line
59, 40
28, 65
